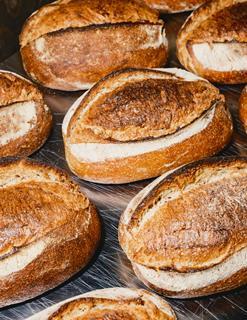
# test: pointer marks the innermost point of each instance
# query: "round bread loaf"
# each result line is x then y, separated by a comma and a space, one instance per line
69, 45
25, 120
186, 233
213, 41
171, 6
243, 108
139, 123
112, 303
49, 229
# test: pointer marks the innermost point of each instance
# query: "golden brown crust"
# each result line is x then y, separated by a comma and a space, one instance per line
243, 108
215, 22
171, 6
50, 211
145, 164
181, 235
61, 15
149, 108
199, 235
14, 91
140, 306
133, 37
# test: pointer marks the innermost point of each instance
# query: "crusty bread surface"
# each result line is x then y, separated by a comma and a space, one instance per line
138, 123
95, 36
213, 41
25, 119
243, 108
50, 230
185, 233
112, 303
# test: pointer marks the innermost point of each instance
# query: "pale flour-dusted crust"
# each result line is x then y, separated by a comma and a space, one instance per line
54, 234
145, 135
25, 120
120, 303
243, 108
73, 30
181, 235
213, 41
171, 6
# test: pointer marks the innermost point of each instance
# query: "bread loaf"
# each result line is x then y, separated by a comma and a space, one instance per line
243, 108
69, 45
213, 41
112, 303
49, 229
171, 6
186, 233
25, 119
138, 123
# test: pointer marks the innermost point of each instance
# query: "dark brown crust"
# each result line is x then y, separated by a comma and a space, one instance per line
243, 108
14, 89
69, 246
202, 27
201, 234
149, 108
171, 6
90, 62
233, 282
125, 170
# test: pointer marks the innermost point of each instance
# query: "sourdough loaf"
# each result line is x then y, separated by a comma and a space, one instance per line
213, 41
25, 119
186, 233
138, 123
49, 229
112, 303
69, 45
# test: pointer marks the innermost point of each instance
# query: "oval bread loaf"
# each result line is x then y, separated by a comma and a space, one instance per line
213, 41
49, 229
69, 45
243, 108
112, 303
25, 120
186, 233
138, 123
171, 6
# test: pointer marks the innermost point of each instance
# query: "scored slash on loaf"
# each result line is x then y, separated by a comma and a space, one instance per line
185, 233
25, 120
213, 41
112, 303
69, 45
49, 229
138, 123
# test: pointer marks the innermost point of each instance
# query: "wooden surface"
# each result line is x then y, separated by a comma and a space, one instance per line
110, 266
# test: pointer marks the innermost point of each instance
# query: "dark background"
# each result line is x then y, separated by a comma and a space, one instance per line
12, 15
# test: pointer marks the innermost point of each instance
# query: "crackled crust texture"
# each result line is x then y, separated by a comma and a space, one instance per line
152, 120
243, 108
21, 135
171, 6
214, 23
112, 303
53, 235
183, 224
133, 37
